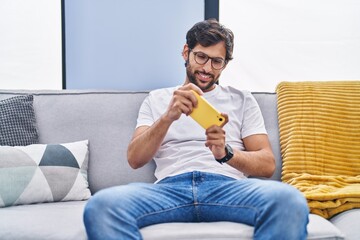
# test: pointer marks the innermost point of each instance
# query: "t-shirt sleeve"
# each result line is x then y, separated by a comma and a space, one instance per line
253, 122
145, 117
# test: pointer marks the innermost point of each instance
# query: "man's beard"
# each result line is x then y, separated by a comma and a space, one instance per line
192, 78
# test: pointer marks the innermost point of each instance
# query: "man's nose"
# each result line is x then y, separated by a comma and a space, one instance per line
207, 66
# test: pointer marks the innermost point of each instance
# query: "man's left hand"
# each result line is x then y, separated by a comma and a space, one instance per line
215, 139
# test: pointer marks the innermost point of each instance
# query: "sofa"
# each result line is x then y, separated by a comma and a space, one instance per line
106, 119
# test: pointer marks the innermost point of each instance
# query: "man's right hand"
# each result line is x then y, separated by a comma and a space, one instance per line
182, 102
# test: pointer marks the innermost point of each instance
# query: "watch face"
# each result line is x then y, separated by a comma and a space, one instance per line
229, 149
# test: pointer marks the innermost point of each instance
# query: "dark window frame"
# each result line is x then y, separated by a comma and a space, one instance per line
63, 47
212, 9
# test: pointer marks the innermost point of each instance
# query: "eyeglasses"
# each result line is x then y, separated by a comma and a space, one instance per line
201, 58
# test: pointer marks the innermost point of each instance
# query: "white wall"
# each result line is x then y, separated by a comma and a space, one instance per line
30, 44
281, 40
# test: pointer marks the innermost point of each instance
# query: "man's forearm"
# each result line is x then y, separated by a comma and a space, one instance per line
146, 142
255, 163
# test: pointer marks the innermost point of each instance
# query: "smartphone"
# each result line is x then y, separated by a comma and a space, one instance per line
205, 114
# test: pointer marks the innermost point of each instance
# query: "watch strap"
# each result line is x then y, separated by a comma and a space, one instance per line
228, 156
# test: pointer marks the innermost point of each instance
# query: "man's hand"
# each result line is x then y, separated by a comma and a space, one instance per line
182, 102
216, 139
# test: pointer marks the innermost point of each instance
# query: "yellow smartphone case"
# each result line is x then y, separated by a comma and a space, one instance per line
205, 114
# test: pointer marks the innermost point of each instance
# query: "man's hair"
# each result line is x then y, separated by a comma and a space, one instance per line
211, 32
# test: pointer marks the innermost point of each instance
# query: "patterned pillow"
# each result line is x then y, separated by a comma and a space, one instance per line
43, 173
17, 121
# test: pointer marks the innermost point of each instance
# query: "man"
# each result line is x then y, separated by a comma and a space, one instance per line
202, 174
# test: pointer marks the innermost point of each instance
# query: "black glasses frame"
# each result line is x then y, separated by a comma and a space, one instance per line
207, 59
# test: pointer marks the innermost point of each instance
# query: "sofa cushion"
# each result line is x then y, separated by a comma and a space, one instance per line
17, 121
55, 221
267, 103
106, 118
202, 230
348, 223
318, 229
43, 173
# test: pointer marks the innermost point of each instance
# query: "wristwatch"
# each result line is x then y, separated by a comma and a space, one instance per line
228, 156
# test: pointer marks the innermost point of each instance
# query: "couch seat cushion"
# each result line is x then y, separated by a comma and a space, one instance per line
60, 220
348, 223
318, 229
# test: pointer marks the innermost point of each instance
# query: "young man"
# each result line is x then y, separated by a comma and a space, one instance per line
202, 174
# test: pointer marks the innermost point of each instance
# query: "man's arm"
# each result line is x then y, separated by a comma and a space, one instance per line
147, 139
257, 159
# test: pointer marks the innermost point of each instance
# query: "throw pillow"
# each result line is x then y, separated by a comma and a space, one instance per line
43, 173
17, 121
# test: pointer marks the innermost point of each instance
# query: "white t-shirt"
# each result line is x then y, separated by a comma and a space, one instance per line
183, 148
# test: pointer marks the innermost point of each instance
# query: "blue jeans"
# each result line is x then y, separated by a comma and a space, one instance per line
276, 210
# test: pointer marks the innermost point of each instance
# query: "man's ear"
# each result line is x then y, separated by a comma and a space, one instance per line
185, 52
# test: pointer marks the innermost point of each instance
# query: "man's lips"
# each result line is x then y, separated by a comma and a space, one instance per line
204, 76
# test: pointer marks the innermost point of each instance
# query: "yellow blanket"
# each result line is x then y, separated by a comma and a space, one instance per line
319, 124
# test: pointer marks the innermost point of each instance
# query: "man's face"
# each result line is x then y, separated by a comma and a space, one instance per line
203, 75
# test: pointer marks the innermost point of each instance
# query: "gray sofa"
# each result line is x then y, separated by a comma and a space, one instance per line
107, 119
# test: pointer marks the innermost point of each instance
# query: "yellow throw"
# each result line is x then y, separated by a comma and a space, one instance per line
319, 124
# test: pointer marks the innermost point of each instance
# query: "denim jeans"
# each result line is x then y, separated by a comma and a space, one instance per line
276, 210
